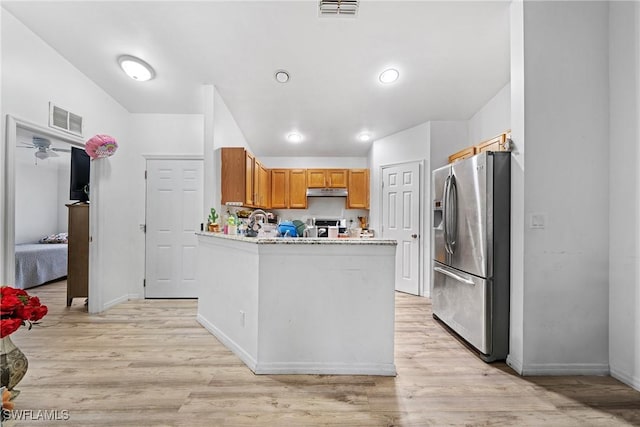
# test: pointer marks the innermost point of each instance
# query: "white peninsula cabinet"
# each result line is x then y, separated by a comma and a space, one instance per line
300, 305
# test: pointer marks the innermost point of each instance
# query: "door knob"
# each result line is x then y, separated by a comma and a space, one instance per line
414, 236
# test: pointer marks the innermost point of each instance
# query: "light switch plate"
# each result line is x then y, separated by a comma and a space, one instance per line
538, 220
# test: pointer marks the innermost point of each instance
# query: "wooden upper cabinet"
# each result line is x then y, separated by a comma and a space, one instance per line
337, 178
493, 144
316, 178
263, 193
297, 189
358, 195
233, 175
250, 178
321, 178
462, 154
244, 180
279, 188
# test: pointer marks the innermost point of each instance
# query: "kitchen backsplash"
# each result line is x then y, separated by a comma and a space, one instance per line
321, 207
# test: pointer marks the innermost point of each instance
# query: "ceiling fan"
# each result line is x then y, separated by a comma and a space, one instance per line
43, 147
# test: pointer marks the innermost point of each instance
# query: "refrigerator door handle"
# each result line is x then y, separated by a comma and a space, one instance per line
453, 275
445, 214
453, 207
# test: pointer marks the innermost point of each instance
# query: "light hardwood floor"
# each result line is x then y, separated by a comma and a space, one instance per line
149, 363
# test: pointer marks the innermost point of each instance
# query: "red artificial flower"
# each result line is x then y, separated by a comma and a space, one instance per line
9, 303
9, 326
38, 313
17, 308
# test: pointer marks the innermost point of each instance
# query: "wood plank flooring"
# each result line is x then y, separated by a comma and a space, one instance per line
149, 363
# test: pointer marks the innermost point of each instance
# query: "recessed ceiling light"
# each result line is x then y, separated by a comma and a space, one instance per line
389, 75
364, 137
294, 137
282, 76
136, 68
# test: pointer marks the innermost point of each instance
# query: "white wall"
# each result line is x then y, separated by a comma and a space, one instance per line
164, 134
447, 137
39, 204
624, 190
565, 292
315, 162
493, 118
33, 74
410, 145
220, 130
516, 309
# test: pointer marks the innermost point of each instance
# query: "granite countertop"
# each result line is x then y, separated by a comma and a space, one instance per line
300, 240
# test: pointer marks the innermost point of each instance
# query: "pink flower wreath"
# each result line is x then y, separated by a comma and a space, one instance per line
101, 146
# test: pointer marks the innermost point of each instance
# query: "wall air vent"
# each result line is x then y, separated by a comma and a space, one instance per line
338, 7
61, 119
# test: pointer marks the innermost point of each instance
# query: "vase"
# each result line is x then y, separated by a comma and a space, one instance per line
13, 364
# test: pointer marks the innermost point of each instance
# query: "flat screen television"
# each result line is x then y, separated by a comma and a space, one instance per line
80, 166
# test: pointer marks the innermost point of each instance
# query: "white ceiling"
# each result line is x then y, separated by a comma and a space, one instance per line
452, 56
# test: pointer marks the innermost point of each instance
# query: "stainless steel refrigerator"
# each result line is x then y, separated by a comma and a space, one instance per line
470, 248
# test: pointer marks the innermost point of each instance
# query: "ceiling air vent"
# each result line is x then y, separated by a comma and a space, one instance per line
338, 7
59, 118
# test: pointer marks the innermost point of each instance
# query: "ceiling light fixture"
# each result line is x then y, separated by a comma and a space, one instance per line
389, 75
294, 137
136, 68
364, 137
282, 76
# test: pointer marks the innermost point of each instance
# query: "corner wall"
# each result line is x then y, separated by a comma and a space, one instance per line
564, 304
624, 191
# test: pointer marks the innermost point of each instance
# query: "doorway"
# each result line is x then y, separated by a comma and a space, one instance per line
174, 206
16, 130
401, 197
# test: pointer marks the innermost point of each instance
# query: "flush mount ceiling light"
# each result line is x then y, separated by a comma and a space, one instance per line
364, 137
294, 137
136, 68
282, 76
389, 75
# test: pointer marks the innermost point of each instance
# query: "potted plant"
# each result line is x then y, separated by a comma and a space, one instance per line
212, 221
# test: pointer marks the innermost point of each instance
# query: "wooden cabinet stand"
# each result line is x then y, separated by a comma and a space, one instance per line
78, 255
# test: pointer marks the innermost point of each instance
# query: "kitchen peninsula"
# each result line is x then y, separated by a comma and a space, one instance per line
300, 305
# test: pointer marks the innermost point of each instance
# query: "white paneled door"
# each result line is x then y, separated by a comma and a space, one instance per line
401, 221
173, 215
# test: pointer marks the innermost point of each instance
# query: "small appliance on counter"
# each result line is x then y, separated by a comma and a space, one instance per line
323, 226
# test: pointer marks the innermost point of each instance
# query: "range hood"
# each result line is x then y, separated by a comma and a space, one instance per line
326, 192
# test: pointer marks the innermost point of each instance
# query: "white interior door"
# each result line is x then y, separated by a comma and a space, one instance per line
173, 215
401, 221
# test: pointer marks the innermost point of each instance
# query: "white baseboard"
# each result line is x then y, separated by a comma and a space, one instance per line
565, 369
246, 358
297, 367
388, 370
515, 364
630, 380
115, 302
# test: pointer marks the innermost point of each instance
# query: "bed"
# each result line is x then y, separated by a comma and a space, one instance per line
38, 263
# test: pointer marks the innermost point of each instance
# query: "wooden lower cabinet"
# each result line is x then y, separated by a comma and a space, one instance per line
358, 194
78, 252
